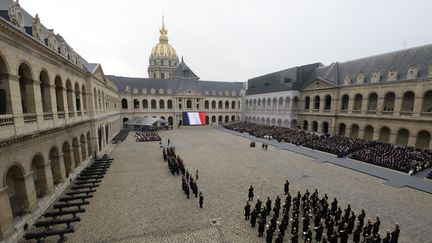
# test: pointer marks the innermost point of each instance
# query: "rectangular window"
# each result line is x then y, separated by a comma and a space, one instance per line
162, 75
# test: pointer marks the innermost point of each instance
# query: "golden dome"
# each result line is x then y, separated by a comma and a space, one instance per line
163, 49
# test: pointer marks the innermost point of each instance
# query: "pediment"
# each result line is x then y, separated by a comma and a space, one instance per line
99, 74
319, 84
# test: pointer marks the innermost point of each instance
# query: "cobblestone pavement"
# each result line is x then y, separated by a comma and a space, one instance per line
140, 201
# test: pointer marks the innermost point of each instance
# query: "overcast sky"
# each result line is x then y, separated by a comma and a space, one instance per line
227, 40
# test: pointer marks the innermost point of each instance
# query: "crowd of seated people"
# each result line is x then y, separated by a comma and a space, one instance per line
147, 136
406, 159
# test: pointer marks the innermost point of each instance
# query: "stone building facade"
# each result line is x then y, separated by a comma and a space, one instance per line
168, 99
387, 97
57, 110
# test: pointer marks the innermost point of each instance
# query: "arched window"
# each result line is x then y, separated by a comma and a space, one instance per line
384, 134
342, 129
161, 104
389, 101
344, 104
317, 101
408, 102
213, 106
189, 104
295, 103
423, 139
402, 137
45, 91
145, 103
305, 125
5, 96
358, 99
26, 91
327, 103
372, 102
124, 104
325, 127
315, 126
226, 105
153, 104
368, 132
220, 104
354, 131
170, 106
233, 105
307, 103
427, 101
206, 104
136, 104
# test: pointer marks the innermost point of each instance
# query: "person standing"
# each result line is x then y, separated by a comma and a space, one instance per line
253, 218
247, 210
261, 225
269, 236
201, 200
251, 193
268, 206
286, 187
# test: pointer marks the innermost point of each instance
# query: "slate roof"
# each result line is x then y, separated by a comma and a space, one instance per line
176, 85
183, 72
288, 79
297, 78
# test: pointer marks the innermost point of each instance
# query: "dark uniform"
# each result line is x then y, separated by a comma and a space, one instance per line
251, 193
269, 236
261, 225
286, 187
247, 210
201, 200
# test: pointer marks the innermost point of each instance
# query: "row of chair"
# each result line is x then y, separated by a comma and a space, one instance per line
71, 203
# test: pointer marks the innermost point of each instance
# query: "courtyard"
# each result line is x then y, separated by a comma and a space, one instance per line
140, 201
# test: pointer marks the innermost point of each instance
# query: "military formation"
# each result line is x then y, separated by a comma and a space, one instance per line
176, 166
320, 220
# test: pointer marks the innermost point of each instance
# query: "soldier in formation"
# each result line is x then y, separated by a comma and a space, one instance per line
320, 220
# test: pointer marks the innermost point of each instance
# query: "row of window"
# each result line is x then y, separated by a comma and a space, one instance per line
189, 104
407, 105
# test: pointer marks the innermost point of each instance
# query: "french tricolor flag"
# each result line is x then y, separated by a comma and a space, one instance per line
194, 118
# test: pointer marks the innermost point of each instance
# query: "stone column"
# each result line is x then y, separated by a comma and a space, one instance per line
65, 104
49, 177
77, 148
10, 83
27, 187
397, 106
62, 167
380, 105
6, 216
351, 101
364, 105
74, 108
417, 106
37, 98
